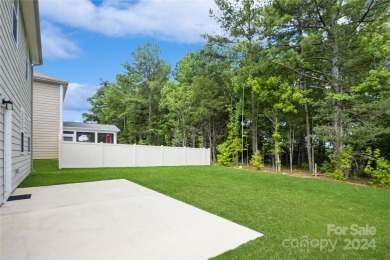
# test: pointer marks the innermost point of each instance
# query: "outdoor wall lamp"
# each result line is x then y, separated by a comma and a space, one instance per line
9, 105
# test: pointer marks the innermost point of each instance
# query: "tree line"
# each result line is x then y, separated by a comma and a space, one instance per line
298, 83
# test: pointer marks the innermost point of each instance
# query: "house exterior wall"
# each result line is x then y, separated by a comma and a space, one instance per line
46, 119
15, 85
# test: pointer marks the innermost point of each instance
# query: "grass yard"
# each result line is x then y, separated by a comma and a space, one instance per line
289, 211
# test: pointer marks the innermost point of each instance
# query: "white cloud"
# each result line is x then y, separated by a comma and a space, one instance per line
76, 97
72, 116
170, 20
57, 45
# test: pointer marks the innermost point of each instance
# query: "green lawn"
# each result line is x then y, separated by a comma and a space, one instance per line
287, 210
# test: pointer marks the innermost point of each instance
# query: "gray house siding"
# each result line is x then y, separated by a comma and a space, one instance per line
15, 85
48, 95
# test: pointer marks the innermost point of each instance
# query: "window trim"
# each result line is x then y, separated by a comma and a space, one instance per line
15, 21
26, 68
25, 132
22, 142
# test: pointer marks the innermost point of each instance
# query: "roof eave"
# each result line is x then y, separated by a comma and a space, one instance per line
30, 10
90, 129
50, 80
65, 90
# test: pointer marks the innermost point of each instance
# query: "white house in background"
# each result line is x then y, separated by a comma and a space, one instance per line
89, 133
48, 98
20, 49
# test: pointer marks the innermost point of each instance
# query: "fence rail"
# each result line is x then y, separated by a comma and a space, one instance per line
90, 155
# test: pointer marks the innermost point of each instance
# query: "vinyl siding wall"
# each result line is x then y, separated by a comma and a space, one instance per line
15, 86
46, 119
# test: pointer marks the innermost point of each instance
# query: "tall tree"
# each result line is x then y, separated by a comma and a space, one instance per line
132, 103
323, 42
146, 76
238, 20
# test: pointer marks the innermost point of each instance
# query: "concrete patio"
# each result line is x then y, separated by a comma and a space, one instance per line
114, 219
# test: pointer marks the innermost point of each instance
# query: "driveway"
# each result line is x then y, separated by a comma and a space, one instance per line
114, 219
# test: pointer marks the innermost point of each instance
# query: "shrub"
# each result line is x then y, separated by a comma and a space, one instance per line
343, 166
305, 166
381, 173
228, 151
257, 160
338, 175
340, 169
327, 167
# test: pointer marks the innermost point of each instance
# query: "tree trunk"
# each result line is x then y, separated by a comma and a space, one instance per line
214, 138
184, 137
254, 124
309, 143
277, 156
149, 135
210, 140
338, 128
277, 148
291, 147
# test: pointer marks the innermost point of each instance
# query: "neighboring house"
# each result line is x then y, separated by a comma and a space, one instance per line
48, 98
20, 49
89, 133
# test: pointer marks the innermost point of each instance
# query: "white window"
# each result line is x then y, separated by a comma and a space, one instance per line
26, 68
68, 136
15, 20
25, 132
85, 137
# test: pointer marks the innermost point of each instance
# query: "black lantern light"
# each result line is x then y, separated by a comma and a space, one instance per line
9, 105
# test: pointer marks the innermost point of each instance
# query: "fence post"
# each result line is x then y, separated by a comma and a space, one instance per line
204, 155
101, 154
135, 155
162, 155
59, 151
185, 155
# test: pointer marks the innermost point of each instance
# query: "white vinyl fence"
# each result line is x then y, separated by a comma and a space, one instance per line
91, 155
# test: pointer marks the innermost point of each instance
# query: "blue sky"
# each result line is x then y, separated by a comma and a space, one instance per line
86, 41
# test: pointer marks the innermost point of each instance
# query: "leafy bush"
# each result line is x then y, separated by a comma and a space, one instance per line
381, 173
338, 175
343, 165
228, 151
340, 169
328, 168
257, 160
305, 166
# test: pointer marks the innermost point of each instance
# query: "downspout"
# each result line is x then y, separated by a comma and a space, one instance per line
7, 154
61, 106
32, 118
61, 127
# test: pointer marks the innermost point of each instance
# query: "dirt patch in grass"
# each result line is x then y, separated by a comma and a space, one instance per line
303, 173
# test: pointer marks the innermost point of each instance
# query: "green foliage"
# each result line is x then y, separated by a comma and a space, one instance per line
178, 100
305, 166
338, 169
380, 172
257, 160
338, 175
228, 150
344, 162
296, 73
328, 167
132, 102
